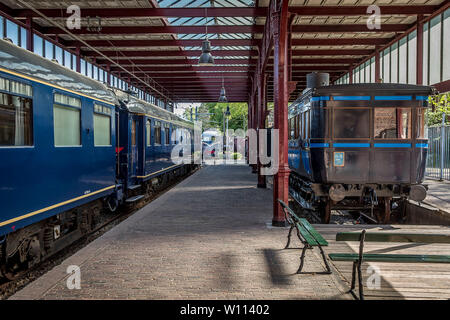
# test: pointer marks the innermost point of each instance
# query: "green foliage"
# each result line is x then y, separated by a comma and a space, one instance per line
441, 104
236, 120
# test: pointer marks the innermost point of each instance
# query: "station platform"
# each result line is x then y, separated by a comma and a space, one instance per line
438, 194
210, 237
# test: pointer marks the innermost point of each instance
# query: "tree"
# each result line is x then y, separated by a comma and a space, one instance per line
441, 105
236, 120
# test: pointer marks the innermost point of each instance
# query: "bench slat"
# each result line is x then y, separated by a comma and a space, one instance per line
289, 210
394, 237
318, 237
413, 258
306, 235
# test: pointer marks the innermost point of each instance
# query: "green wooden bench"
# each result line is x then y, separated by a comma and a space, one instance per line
309, 237
358, 258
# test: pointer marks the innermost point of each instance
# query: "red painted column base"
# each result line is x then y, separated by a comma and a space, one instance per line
281, 190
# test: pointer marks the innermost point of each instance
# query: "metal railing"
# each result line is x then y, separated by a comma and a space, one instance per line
438, 158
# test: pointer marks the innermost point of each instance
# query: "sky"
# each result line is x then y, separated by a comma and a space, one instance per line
180, 107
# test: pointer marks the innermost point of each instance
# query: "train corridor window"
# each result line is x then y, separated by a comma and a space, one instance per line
422, 128
157, 132
148, 132
167, 133
102, 125
67, 120
392, 123
307, 124
16, 113
133, 133
351, 123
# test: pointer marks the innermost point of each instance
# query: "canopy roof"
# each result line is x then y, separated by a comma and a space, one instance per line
162, 39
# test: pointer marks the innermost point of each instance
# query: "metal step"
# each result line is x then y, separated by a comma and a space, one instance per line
134, 187
134, 199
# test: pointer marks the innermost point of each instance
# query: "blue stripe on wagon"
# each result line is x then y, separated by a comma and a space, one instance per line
421, 97
351, 145
321, 98
319, 145
393, 98
351, 98
392, 145
421, 145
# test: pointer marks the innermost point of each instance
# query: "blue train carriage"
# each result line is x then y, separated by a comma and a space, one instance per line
147, 135
57, 155
358, 147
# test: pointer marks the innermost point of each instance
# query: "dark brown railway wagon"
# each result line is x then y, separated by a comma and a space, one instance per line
358, 146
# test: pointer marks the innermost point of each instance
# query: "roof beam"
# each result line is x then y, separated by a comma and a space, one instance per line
214, 70
227, 11
230, 42
225, 53
307, 28
250, 61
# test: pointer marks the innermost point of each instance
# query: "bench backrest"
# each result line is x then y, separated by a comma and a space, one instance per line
394, 237
310, 234
288, 211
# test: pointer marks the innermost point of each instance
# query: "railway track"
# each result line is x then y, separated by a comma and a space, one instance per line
23, 278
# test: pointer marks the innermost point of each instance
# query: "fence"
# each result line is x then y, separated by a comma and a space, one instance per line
438, 159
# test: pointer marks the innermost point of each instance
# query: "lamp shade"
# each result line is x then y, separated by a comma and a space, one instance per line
223, 97
206, 59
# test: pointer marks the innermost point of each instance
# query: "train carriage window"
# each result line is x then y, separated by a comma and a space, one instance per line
67, 120
392, 123
167, 133
157, 132
16, 114
303, 125
148, 132
307, 124
422, 129
351, 123
291, 128
133, 133
102, 125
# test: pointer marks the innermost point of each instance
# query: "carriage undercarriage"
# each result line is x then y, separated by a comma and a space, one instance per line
377, 203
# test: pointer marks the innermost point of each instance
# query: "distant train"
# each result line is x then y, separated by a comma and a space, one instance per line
357, 146
70, 147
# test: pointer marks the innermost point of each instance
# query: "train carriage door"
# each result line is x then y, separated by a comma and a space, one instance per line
134, 157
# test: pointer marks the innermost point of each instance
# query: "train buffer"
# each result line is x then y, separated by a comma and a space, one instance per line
309, 237
363, 236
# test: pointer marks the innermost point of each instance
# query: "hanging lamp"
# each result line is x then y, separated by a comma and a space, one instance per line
206, 58
223, 97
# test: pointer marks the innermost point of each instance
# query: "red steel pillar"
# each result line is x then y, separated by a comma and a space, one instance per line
419, 53
377, 66
29, 24
261, 123
281, 97
78, 59
254, 125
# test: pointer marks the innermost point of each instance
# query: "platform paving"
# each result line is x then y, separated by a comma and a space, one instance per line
438, 194
209, 237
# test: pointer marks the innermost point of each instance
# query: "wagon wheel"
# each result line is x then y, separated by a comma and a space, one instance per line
325, 212
384, 211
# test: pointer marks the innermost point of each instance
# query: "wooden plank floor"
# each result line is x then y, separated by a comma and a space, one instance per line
398, 280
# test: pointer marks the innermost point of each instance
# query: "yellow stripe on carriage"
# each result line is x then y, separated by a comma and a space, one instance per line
52, 85
4, 223
150, 174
